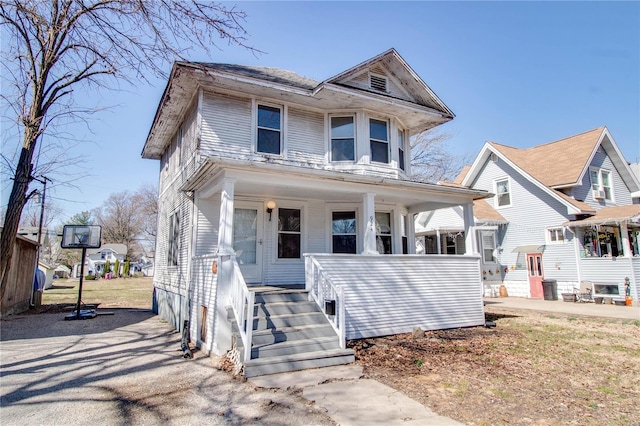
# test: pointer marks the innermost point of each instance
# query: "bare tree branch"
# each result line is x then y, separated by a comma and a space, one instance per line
430, 159
58, 46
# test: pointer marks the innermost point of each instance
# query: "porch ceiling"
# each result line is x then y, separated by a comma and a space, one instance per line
282, 182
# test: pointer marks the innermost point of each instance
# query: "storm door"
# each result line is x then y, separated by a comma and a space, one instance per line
248, 239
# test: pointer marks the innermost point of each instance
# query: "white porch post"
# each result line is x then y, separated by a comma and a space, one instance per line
225, 227
626, 247
469, 224
368, 222
411, 233
438, 242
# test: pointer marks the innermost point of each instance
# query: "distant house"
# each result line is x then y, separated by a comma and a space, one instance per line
97, 258
62, 271
49, 272
568, 216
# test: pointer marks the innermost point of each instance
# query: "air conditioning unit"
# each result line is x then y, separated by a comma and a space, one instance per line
598, 194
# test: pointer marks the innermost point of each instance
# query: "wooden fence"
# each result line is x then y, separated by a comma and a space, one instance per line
17, 295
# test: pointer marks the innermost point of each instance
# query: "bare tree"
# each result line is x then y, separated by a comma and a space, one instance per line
58, 46
431, 161
147, 198
121, 219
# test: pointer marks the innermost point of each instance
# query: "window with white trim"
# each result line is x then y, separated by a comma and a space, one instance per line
343, 133
174, 239
343, 230
269, 132
488, 242
555, 235
503, 193
383, 233
601, 184
289, 233
401, 147
379, 141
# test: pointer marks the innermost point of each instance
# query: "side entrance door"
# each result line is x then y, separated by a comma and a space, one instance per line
248, 239
536, 274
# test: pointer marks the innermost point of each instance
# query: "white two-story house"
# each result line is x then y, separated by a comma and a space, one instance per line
273, 184
566, 215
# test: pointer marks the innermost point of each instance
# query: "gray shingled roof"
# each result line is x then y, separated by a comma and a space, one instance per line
274, 75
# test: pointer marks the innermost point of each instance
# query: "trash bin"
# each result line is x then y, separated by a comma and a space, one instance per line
550, 289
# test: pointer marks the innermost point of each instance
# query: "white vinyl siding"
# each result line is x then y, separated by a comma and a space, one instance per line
226, 125
445, 292
305, 136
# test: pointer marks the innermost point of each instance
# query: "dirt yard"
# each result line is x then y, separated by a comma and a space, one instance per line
532, 369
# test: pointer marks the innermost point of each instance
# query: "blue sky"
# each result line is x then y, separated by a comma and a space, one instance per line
517, 73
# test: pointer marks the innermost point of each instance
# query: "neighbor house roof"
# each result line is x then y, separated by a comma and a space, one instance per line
611, 215
556, 163
483, 212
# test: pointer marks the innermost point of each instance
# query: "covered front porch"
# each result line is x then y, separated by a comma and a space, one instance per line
348, 240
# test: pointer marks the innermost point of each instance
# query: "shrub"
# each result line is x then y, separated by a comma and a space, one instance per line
90, 277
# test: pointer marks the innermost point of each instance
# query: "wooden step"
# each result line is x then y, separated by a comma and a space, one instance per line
280, 364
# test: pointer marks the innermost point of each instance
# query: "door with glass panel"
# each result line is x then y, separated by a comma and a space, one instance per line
248, 240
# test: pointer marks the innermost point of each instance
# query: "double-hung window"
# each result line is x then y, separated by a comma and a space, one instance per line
343, 230
488, 241
503, 193
289, 233
601, 184
174, 239
269, 139
379, 141
401, 160
342, 139
383, 233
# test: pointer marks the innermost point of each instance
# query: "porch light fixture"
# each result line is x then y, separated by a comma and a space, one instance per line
270, 206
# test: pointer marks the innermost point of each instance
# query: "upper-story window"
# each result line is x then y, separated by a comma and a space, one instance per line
342, 139
401, 147
379, 139
601, 184
269, 130
503, 193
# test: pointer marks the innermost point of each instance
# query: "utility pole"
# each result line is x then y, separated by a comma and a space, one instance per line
43, 181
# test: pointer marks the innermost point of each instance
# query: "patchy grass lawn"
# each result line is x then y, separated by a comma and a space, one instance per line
533, 369
116, 293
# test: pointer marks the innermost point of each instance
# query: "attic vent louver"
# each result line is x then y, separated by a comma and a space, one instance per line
378, 82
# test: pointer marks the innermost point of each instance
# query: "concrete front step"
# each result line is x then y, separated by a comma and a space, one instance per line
272, 365
283, 334
294, 347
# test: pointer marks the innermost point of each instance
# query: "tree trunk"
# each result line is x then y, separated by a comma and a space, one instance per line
17, 200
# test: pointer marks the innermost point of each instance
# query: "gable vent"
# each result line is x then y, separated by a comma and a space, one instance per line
378, 82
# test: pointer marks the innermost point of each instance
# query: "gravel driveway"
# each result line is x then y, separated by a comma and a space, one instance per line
126, 368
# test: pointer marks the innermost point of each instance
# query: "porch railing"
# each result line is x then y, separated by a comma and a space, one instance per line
242, 301
322, 290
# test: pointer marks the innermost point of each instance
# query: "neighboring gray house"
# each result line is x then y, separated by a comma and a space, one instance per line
286, 204
568, 214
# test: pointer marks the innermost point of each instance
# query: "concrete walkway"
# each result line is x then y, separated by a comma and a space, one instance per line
570, 308
351, 400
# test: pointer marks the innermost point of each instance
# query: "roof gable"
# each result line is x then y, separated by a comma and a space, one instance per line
403, 82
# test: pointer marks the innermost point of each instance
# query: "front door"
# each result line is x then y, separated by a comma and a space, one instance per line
247, 240
534, 265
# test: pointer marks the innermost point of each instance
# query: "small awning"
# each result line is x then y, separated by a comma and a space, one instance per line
534, 248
